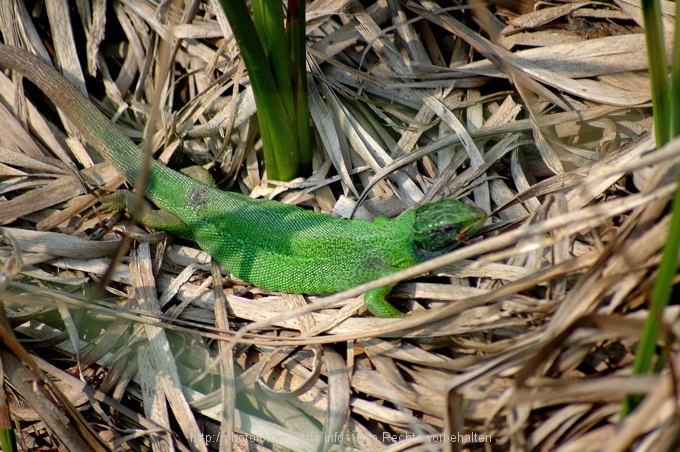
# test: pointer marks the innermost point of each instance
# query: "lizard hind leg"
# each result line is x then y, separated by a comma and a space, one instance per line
199, 174
146, 214
375, 302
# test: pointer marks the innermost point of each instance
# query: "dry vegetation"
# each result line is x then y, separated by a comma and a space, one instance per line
537, 113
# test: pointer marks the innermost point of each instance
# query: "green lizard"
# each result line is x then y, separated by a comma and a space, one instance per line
268, 243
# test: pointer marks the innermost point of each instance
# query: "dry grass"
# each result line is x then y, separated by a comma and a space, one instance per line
520, 341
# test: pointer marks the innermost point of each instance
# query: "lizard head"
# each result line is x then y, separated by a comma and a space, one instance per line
441, 226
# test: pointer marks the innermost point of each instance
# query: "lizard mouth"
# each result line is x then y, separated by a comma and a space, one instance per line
439, 242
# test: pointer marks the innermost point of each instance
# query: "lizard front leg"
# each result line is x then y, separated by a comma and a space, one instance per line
375, 302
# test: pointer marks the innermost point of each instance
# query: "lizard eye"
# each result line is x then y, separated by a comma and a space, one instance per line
439, 227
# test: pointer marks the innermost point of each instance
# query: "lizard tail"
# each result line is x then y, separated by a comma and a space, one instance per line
97, 129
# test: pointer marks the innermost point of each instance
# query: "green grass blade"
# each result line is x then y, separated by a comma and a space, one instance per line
275, 104
295, 21
659, 298
7, 441
666, 105
658, 70
674, 103
268, 19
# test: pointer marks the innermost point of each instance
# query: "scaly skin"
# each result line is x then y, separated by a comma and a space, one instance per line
270, 244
